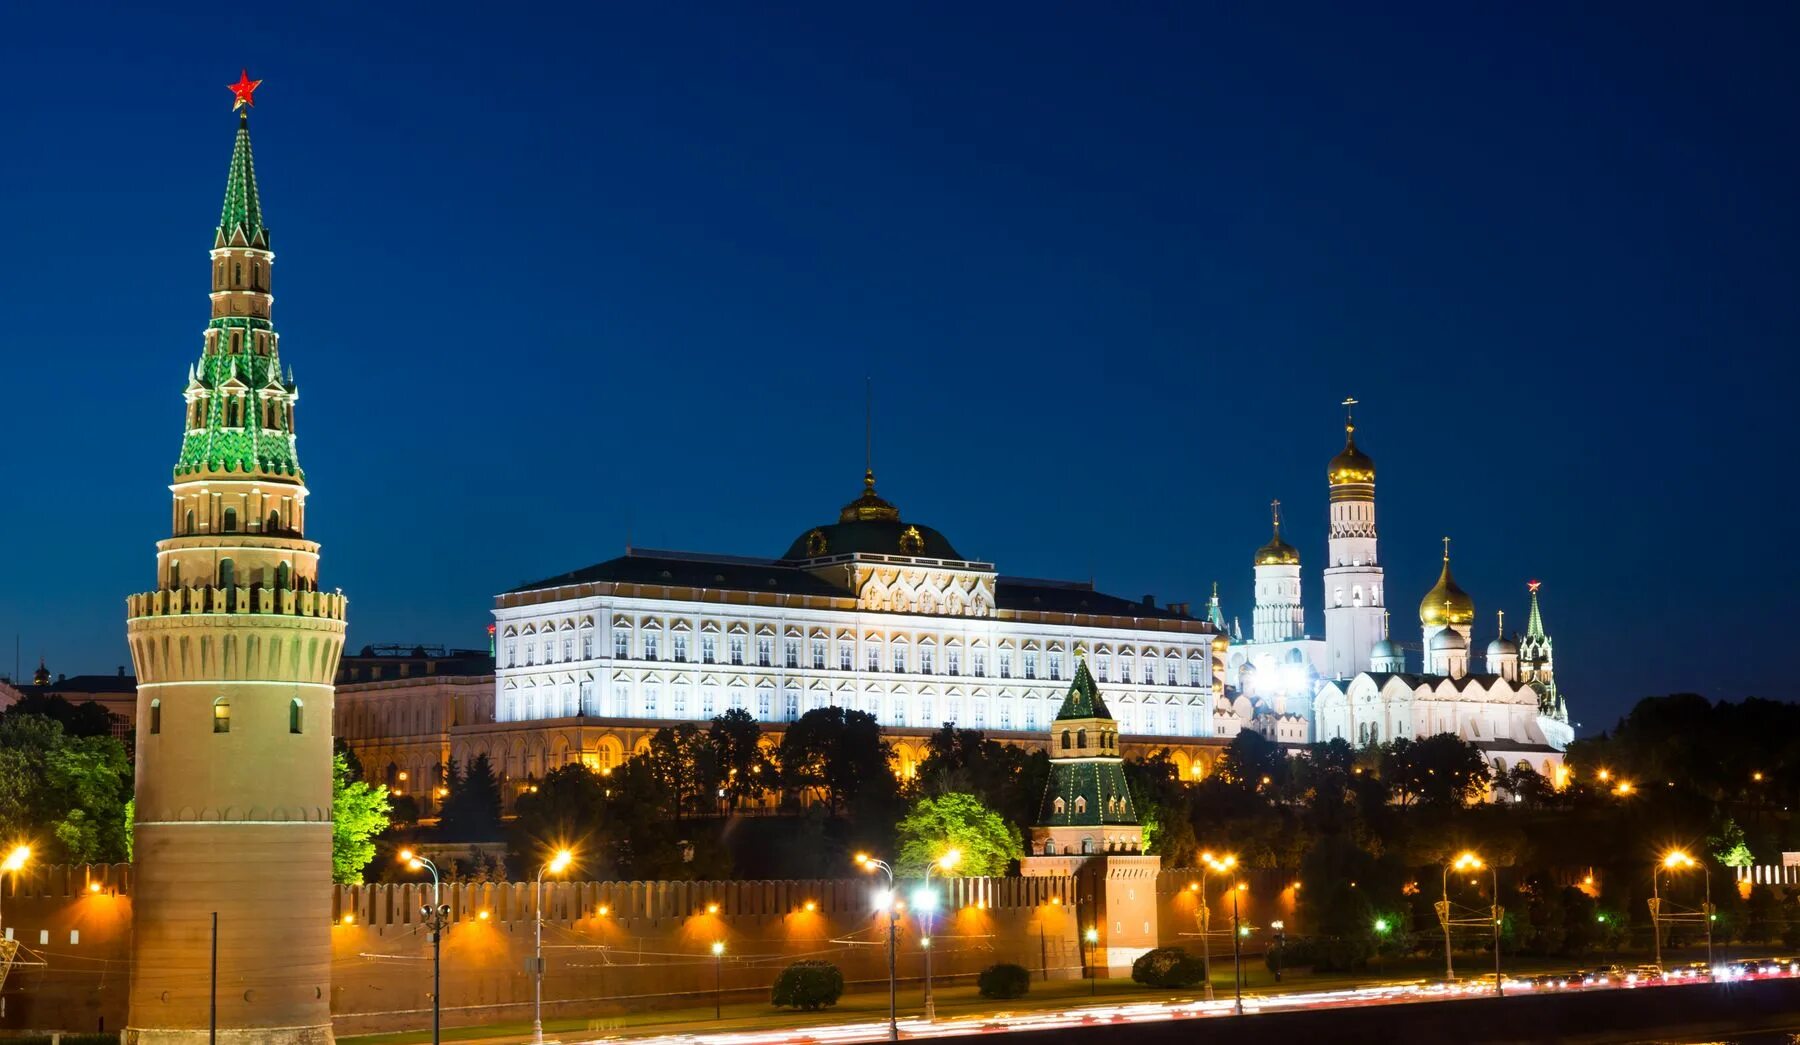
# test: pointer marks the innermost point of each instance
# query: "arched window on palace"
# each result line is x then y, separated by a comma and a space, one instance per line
222, 715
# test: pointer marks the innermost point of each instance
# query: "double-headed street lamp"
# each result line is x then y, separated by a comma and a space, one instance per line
925, 902
555, 865
886, 903
1468, 861
437, 918
1672, 861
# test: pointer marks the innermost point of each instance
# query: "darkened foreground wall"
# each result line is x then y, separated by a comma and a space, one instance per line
1589, 1017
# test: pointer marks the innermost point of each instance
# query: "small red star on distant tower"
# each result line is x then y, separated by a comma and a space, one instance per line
243, 89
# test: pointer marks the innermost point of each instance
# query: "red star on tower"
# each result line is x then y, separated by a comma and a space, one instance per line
243, 89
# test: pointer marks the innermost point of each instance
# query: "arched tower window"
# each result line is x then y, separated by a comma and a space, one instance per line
231, 520
174, 573
296, 716
284, 576
222, 715
227, 573
274, 522
1065, 740
1081, 738
237, 273
187, 525
155, 717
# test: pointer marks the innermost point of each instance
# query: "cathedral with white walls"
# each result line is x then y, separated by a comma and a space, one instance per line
1356, 683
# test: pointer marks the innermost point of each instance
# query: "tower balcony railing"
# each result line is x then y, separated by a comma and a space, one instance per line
254, 599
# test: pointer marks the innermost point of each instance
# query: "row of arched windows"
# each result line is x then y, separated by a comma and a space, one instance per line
237, 276
221, 716
1106, 739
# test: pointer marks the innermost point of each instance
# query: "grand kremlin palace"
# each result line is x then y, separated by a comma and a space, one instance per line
884, 615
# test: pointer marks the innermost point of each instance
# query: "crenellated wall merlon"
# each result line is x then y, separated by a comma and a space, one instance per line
253, 599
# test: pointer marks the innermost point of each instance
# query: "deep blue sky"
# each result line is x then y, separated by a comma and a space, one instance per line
549, 274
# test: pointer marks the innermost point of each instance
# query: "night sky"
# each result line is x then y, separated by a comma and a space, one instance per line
553, 280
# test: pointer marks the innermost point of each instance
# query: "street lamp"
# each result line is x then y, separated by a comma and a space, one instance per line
437, 918
1203, 915
15, 862
1672, 861
1468, 861
886, 903
1237, 954
1093, 942
1280, 928
925, 902
718, 949
557, 865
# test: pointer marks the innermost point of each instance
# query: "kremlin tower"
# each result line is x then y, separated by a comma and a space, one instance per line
235, 650
1353, 596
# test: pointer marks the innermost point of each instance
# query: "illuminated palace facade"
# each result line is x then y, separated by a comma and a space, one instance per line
883, 615
870, 612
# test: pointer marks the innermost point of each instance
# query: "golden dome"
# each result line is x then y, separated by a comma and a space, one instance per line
1277, 552
869, 506
1350, 465
1446, 604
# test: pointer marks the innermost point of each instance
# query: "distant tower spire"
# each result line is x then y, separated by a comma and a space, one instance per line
1355, 590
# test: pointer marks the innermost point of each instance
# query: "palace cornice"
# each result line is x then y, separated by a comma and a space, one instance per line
847, 603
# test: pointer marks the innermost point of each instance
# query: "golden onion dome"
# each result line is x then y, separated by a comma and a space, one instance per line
1446, 604
1277, 552
1350, 465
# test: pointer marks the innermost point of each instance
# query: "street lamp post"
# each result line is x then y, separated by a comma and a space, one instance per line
718, 949
1203, 915
925, 902
1280, 928
1468, 861
556, 865
1237, 955
437, 918
869, 863
1093, 942
1676, 860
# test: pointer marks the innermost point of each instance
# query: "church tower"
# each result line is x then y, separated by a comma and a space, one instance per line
235, 650
1278, 616
1087, 827
1446, 607
1353, 584
1536, 666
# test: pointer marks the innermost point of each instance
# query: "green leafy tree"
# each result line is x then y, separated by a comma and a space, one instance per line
73, 789
740, 762
1441, 770
932, 826
681, 765
568, 810
1163, 803
471, 810
86, 719
1007, 777
359, 812
838, 756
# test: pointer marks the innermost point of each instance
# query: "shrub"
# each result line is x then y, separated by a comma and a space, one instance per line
1004, 981
1167, 967
808, 985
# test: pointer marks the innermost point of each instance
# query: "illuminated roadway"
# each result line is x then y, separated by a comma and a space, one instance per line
1150, 1012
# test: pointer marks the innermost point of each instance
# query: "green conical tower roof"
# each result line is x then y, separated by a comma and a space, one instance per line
242, 212
1534, 628
1083, 699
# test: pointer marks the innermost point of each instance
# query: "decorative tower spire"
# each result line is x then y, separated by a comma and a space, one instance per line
1215, 615
1536, 662
1354, 586
236, 649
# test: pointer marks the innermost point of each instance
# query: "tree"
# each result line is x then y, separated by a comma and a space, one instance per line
568, 810
1007, 777
680, 763
73, 789
740, 763
1253, 763
471, 810
1163, 803
1440, 770
932, 826
359, 812
838, 755
87, 719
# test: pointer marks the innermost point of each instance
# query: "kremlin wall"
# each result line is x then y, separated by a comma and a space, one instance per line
610, 947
